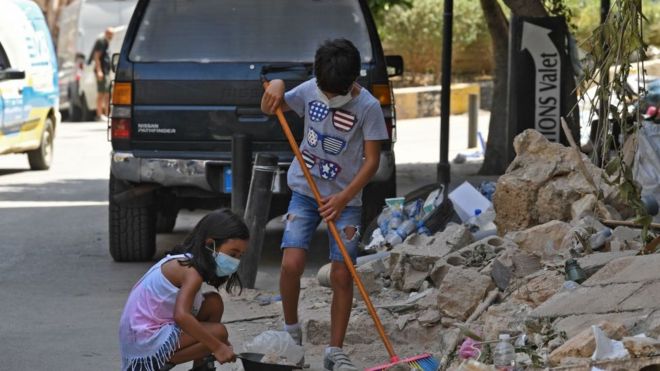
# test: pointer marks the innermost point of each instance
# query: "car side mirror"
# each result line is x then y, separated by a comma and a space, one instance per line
11, 74
115, 62
394, 65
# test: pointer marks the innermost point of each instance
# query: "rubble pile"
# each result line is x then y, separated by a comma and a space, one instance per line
436, 291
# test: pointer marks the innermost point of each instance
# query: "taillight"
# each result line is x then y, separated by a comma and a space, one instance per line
383, 92
121, 128
120, 110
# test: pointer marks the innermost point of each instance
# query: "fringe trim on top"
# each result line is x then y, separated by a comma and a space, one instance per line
159, 359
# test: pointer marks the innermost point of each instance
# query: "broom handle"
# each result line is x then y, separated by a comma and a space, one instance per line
333, 229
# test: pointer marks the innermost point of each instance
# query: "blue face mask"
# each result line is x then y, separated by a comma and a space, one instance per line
225, 265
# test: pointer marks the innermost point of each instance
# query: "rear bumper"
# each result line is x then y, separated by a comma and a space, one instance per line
203, 174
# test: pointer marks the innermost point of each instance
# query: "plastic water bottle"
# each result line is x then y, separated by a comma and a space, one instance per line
384, 220
481, 224
399, 235
504, 354
596, 241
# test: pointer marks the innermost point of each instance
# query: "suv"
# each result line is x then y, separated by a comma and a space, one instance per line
188, 85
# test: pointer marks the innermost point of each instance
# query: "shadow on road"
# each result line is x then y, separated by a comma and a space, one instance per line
63, 190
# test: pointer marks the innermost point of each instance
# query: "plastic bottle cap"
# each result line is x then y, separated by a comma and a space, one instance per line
505, 336
477, 211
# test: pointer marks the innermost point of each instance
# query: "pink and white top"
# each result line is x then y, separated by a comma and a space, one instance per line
148, 334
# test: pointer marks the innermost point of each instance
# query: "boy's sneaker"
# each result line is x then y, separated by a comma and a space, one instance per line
337, 360
296, 335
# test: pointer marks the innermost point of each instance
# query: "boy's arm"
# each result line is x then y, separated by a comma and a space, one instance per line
334, 204
273, 98
190, 284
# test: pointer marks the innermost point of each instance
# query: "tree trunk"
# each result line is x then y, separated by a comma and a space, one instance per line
495, 161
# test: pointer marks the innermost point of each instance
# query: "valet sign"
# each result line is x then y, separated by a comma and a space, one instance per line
540, 76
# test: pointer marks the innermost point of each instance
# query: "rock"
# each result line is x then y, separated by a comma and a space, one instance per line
513, 263
593, 262
461, 291
438, 272
400, 367
539, 287
541, 184
543, 241
585, 206
642, 346
478, 254
429, 317
371, 278
412, 261
430, 300
402, 321
505, 317
626, 234
583, 344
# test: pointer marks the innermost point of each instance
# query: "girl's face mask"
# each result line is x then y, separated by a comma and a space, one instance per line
336, 101
225, 265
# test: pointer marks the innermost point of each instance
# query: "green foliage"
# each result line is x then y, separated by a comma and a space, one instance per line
380, 7
416, 32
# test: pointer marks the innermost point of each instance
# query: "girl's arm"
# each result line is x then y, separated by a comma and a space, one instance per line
190, 285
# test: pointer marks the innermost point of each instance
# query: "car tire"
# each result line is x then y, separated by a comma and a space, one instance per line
166, 220
42, 157
132, 226
79, 113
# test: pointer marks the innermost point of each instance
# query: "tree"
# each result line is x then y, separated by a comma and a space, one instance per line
495, 161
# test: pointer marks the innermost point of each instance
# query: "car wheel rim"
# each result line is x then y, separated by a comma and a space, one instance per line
47, 149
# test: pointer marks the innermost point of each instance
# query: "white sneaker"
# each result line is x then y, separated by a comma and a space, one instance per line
337, 360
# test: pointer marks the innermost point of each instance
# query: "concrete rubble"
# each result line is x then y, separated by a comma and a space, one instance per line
431, 292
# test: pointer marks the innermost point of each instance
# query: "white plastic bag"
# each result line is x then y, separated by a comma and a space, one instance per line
607, 348
276, 342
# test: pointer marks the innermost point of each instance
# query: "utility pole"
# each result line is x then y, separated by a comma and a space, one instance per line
443, 170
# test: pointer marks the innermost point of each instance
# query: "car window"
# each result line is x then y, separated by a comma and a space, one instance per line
246, 30
4, 61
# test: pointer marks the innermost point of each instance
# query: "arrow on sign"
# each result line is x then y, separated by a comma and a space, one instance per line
547, 65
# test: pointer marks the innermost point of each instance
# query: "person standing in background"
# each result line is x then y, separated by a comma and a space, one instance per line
102, 69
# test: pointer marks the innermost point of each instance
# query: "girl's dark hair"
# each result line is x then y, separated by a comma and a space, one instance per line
336, 66
220, 225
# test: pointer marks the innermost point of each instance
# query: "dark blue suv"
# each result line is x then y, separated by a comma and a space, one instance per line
188, 83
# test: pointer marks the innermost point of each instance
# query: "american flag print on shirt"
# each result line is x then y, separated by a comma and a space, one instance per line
343, 120
318, 111
309, 158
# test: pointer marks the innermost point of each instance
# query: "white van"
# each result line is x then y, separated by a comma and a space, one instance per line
28, 83
80, 24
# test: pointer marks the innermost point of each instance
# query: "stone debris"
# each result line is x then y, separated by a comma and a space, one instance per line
429, 287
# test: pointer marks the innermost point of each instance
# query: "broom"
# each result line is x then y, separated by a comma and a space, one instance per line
423, 361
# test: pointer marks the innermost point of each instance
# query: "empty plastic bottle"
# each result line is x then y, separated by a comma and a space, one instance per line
504, 354
481, 224
597, 240
399, 235
384, 220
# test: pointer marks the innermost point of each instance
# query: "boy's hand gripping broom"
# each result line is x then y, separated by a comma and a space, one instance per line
424, 361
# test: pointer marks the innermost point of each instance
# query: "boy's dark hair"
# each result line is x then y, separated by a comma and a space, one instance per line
337, 65
220, 225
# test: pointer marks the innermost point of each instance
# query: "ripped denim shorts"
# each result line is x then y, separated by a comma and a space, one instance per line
303, 218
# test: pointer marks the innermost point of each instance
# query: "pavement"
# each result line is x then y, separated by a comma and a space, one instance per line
62, 294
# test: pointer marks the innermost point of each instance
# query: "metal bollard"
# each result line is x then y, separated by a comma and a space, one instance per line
241, 162
256, 215
473, 119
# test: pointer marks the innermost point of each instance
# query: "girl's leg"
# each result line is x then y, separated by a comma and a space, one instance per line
210, 314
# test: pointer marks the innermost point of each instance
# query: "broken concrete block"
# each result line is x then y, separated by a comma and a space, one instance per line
543, 241
628, 269
583, 207
371, 279
539, 287
583, 344
438, 272
403, 320
642, 346
513, 263
430, 300
593, 262
505, 317
429, 317
541, 184
413, 280
461, 291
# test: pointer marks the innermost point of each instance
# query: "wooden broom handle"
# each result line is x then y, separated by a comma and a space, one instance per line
333, 230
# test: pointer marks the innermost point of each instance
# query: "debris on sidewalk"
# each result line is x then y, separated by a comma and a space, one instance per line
551, 272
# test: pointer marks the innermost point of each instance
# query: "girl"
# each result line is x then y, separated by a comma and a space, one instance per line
167, 320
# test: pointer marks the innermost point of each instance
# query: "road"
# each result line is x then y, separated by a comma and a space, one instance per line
62, 294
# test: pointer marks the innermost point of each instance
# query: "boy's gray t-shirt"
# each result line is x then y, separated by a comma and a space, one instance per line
333, 145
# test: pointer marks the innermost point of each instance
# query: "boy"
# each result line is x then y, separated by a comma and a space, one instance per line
344, 125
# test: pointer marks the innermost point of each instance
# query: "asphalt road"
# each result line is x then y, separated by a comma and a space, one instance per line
61, 294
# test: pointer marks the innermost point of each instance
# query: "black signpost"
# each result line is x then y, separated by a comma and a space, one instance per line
541, 86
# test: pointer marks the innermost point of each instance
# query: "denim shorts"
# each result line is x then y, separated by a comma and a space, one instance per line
303, 218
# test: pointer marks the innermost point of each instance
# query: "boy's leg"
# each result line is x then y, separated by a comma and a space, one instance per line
301, 220
342, 288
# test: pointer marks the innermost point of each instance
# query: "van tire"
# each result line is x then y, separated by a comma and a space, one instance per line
42, 157
79, 113
132, 227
